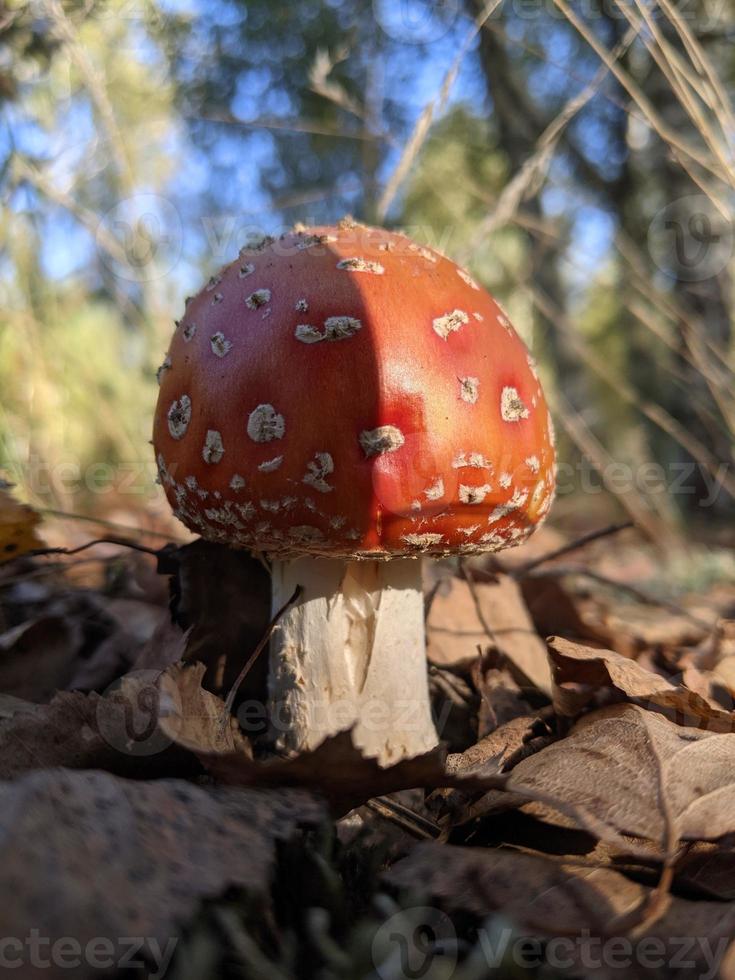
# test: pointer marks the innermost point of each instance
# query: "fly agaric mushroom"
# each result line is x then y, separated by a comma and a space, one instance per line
346, 402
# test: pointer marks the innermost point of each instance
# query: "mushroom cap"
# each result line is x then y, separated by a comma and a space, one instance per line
343, 391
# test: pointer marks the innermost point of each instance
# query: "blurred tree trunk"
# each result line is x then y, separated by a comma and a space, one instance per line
518, 123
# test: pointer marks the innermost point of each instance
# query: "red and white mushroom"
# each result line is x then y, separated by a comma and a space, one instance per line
347, 402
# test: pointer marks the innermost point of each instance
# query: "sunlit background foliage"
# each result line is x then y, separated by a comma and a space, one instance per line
578, 159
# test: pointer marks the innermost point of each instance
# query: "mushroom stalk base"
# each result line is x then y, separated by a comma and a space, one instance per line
350, 653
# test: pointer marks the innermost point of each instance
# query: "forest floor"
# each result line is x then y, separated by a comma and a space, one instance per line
578, 818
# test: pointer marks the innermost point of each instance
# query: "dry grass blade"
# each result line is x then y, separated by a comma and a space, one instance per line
700, 60
537, 164
86, 218
666, 302
300, 125
95, 85
687, 87
653, 412
423, 124
319, 72
631, 499
694, 354
657, 123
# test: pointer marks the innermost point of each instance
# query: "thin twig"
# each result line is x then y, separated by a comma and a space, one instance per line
230, 700
430, 596
470, 580
604, 532
561, 571
53, 567
122, 542
113, 525
405, 818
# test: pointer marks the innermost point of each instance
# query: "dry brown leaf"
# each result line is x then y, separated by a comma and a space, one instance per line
457, 625
18, 524
554, 610
453, 629
486, 757
204, 721
337, 769
90, 856
109, 661
554, 898
136, 626
708, 869
197, 720
117, 732
622, 626
494, 750
39, 656
636, 773
167, 646
500, 697
723, 669
727, 966
581, 671
139, 630
36, 736
566, 898
648, 626
454, 708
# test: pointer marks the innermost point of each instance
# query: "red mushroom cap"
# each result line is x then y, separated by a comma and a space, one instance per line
343, 391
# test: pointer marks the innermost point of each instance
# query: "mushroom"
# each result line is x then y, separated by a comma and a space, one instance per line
353, 403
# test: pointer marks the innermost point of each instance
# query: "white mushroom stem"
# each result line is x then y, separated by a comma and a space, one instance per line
350, 653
